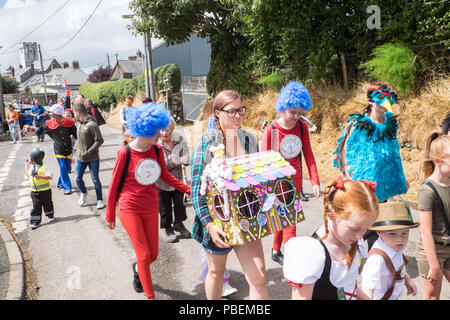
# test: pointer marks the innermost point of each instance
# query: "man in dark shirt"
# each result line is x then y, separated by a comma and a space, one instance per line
59, 129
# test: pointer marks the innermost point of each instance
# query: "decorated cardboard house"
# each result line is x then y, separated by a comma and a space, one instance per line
251, 196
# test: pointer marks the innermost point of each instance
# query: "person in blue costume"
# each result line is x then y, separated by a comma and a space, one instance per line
368, 148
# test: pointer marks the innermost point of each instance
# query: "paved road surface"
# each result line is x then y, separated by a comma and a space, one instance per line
78, 257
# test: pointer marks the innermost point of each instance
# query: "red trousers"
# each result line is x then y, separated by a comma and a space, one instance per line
281, 237
143, 230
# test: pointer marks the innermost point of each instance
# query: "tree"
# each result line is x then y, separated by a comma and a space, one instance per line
9, 85
218, 20
99, 75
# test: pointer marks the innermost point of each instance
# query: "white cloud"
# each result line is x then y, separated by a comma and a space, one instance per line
105, 33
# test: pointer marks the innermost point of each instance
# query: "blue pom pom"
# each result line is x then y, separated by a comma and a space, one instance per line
293, 95
147, 119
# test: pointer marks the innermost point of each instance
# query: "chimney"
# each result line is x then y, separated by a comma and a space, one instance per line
32, 69
132, 58
20, 66
139, 54
75, 65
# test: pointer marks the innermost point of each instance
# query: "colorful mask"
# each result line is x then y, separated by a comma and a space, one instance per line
384, 98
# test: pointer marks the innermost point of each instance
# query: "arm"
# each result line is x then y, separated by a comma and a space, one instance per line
426, 223
302, 292
310, 162
113, 196
266, 140
121, 116
98, 139
411, 287
15, 116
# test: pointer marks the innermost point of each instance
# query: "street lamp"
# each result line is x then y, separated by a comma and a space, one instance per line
148, 65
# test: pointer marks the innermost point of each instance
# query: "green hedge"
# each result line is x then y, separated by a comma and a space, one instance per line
105, 93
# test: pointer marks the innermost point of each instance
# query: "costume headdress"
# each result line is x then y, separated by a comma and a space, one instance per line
384, 98
394, 215
293, 95
147, 119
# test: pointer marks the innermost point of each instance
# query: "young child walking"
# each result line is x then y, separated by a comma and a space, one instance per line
41, 191
289, 135
384, 275
327, 268
433, 247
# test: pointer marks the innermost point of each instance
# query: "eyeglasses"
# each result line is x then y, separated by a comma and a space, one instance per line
232, 113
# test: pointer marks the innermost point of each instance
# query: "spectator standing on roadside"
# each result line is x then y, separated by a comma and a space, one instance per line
123, 113
87, 154
12, 118
93, 111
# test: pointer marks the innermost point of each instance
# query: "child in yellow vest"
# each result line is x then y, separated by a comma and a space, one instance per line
41, 191
384, 275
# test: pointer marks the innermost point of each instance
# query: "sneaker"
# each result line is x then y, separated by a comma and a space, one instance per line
278, 257
303, 197
171, 236
184, 233
82, 199
137, 285
34, 226
228, 290
67, 192
100, 204
51, 219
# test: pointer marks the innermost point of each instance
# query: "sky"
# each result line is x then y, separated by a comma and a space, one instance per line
105, 33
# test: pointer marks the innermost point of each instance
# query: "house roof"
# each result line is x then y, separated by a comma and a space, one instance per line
132, 66
45, 62
74, 77
240, 172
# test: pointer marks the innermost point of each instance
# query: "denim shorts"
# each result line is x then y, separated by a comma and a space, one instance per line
211, 248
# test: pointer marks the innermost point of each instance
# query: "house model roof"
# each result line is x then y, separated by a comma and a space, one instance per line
243, 171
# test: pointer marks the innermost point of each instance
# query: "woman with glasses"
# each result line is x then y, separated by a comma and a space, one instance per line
224, 128
289, 135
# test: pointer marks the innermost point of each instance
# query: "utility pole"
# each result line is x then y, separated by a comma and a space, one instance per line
2, 103
145, 65
43, 74
109, 65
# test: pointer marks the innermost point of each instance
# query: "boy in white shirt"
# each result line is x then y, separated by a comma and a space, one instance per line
384, 275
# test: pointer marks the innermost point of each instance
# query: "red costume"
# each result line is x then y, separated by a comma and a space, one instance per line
284, 235
138, 208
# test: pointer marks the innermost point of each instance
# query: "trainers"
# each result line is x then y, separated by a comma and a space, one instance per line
82, 199
67, 192
51, 219
137, 285
34, 226
228, 290
303, 197
171, 236
184, 233
100, 204
278, 257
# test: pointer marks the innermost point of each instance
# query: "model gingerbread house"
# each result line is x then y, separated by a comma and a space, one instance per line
251, 196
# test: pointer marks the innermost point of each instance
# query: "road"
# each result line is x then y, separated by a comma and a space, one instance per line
77, 257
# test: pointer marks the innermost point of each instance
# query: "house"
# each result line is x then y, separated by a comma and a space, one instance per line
127, 69
251, 196
74, 77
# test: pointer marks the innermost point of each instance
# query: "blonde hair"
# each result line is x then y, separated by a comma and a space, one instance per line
356, 196
437, 147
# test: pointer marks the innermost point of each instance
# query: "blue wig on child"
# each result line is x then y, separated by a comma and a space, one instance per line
147, 119
293, 95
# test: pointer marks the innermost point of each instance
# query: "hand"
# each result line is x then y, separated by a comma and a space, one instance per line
216, 235
411, 288
316, 190
434, 275
184, 160
313, 129
111, 225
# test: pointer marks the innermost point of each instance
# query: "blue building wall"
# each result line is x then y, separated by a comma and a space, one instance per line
193, 57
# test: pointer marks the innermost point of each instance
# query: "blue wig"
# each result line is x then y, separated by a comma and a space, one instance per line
147, 119
293, 95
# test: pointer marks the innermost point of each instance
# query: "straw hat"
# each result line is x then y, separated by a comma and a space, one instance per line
394, 215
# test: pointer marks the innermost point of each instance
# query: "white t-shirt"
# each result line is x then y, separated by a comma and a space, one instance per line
376, 275
304, 261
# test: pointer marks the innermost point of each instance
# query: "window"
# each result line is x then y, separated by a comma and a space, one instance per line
285, 192
219, 207
249, 204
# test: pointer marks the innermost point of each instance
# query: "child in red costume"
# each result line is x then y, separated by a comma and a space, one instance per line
289, 136
138, 198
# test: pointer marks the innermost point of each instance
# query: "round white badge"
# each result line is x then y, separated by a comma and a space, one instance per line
147, 172
290, 146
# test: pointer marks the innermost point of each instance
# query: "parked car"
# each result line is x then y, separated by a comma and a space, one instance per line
25, 116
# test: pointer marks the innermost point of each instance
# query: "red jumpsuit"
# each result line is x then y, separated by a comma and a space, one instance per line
284, 235
138, 209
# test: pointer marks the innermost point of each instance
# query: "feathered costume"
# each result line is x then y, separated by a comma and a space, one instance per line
372, 153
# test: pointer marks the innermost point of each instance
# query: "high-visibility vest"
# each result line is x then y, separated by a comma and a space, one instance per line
39, 184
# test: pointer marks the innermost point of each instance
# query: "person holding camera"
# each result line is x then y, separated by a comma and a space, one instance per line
41, 190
